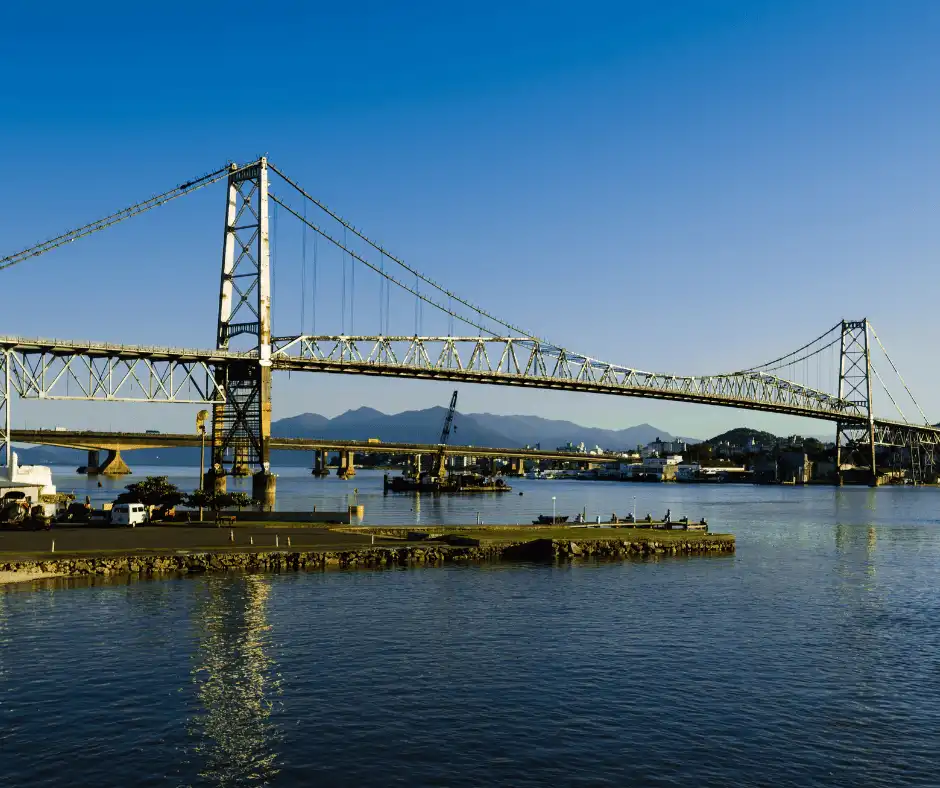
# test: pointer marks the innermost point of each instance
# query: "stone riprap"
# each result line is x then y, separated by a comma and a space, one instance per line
544, 550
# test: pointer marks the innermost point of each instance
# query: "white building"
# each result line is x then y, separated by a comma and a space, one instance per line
33, 481
35, 477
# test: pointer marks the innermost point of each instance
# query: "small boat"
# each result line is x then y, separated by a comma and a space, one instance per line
545, 519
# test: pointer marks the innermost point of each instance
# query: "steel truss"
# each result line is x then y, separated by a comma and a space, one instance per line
52, 369
526, 362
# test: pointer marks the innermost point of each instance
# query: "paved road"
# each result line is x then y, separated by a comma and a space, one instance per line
144, 539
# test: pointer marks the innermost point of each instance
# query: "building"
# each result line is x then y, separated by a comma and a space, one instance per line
794, 467
33, 481
653, 469
660, 448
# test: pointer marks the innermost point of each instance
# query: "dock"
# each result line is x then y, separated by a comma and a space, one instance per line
155, 550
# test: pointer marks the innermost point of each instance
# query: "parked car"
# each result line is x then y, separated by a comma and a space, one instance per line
129, 514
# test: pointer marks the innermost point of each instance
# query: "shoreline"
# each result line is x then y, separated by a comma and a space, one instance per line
402, 554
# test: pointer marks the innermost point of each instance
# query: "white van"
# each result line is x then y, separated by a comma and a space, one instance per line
128, 514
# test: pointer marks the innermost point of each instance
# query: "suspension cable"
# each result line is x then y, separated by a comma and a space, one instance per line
896, 406
427, 299
793, 353
313, 305
802, 358
120, 216
898, 373
303, 276
379, 248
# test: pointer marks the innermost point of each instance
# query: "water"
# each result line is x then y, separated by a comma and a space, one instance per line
809, 658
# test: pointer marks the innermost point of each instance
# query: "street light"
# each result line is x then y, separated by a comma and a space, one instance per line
553, 510
201, 427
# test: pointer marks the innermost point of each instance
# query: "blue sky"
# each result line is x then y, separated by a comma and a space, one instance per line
687, 187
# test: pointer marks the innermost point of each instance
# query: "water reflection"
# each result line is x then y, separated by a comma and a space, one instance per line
237, 683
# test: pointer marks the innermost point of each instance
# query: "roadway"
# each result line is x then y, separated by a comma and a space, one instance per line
128, 441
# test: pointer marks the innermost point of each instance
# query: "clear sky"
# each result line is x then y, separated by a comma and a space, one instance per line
686, 187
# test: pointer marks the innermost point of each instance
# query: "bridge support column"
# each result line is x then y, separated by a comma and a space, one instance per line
347, 468
114, 464
516, 466
263, 489
94, 458
320, 467
215, 481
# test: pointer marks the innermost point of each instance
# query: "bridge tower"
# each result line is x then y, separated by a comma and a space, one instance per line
854, 440
241, 426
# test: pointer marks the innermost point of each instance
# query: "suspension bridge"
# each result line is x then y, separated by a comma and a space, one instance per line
831, 378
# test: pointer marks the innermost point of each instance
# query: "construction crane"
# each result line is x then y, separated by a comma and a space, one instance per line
445, 436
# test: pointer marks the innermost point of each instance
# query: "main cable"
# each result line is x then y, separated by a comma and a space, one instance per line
793, 353
120, 216
379, 248
427, 299
898, 373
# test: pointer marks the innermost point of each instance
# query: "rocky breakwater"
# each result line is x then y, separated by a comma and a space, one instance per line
541, 550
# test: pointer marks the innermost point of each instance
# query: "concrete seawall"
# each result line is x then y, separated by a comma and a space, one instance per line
539, 550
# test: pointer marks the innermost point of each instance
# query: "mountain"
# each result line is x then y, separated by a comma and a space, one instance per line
412, 426
522, 430
300, 425
472, 429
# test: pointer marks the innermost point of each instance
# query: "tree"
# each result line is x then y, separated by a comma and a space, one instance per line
204, 499
240, 499
152, 491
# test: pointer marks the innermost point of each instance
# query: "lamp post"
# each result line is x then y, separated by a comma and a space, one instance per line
553, 510
201, 427
634, 508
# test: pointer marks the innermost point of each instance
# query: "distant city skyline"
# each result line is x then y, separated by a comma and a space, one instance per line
688, 192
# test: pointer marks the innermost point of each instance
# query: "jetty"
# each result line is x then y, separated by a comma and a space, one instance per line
266, 546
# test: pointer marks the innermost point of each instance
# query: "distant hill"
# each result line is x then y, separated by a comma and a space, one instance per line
739, 436
550, 433
472, 429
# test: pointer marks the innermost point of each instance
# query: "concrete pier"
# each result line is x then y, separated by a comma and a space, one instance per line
320, 467
113, 464
263, 489
215, 482
347, 468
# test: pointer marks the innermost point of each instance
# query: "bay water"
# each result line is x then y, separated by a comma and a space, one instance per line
808, 658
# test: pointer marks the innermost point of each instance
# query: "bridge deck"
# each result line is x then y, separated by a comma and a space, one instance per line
128, 441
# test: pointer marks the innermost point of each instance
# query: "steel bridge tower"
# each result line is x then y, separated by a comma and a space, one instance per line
241, 426
853, 439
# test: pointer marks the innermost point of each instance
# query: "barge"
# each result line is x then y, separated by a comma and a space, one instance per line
452, 484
